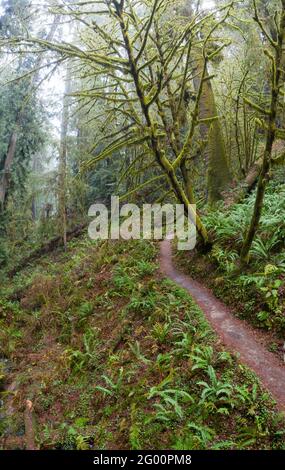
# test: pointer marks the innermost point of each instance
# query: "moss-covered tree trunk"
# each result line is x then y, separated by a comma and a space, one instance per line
218, 173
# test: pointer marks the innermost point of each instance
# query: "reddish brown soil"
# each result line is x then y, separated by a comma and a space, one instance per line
235, 334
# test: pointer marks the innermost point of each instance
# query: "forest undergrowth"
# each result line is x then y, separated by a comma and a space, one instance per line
114, 356
256, 293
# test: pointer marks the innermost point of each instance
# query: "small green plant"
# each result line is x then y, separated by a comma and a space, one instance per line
112, 387
197, 436
161, 331
142, 303
202, 357
249, 436
183, 347
268, 284
123, 281
261, 249
229, 227
273, 347
84, 311
247, 396
204, 433
171, 406
145, 268
225, 258
136, 350
9, 338
88, 358
216, 392
271, 295
82, 442
74, 439
264, 318
134, 436
181, 326
224, 445
163, 361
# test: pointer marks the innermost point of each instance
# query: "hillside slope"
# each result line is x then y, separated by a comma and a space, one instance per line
114, 356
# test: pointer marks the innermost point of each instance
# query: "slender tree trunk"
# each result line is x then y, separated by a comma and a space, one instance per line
4, 183
33, 201
63, 158
186, 174
277, 75
12, 145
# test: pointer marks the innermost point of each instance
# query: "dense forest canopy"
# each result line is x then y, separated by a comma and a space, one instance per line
156, 102
163, 100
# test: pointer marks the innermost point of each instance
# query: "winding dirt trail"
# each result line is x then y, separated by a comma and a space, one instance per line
235, 334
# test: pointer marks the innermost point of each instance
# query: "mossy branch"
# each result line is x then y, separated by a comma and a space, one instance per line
255, 106
217, 51
263, 29
112, 149
148, 27
141, 186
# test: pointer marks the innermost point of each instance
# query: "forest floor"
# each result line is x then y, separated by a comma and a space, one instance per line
113, 355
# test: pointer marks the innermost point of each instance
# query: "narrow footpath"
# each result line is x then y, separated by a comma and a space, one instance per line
236, 335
